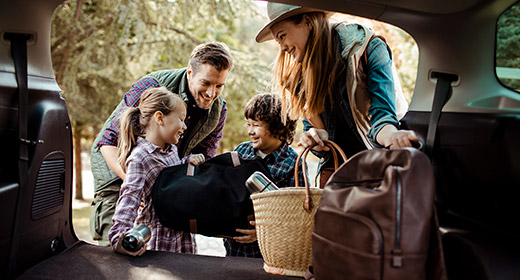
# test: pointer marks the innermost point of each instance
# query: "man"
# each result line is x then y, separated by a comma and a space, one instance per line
200, 85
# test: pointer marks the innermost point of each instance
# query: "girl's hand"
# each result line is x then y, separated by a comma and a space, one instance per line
197, 159
119, 248
312, 136
249, 237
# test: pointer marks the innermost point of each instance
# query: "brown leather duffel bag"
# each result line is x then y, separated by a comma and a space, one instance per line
376, 219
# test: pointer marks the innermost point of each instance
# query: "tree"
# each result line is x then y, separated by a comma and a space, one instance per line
508, 43
100, 47
405, 53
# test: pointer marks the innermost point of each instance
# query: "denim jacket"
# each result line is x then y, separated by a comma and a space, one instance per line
367, 100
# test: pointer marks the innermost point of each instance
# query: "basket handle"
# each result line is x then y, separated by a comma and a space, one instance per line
307, 203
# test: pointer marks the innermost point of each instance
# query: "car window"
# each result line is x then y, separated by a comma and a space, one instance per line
508, 48
405, 53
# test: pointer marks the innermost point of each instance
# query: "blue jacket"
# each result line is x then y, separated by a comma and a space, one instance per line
367, 94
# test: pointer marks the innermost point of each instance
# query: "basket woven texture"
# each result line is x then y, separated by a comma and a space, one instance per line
284, 229
284, 223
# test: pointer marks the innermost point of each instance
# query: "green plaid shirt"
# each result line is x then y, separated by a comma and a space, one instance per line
281, 166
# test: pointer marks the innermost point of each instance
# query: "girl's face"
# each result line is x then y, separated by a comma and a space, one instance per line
261, 137
173, 125
292, 37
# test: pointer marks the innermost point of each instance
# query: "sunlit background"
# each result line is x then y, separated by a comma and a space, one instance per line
100, 47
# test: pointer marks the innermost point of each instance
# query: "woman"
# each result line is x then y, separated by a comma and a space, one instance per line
324, 77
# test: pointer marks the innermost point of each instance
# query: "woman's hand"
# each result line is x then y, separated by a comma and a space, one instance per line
249, 234
401, 139
312, 136
119, 248
197, 159
392, 138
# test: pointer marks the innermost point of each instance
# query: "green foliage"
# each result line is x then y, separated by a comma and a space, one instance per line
405, 53
508, 43
101, 47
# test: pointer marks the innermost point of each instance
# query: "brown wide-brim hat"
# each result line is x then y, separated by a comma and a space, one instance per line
279, 12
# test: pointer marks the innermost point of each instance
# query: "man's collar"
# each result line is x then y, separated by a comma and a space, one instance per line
184, 91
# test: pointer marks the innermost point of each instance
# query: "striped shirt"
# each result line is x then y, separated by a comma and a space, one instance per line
142, 168
208, 146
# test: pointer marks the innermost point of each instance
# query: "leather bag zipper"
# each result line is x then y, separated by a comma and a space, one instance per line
397, 259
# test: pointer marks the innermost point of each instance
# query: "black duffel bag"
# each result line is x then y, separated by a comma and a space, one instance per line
209, 199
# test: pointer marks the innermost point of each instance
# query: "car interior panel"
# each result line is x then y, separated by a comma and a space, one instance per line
475, 153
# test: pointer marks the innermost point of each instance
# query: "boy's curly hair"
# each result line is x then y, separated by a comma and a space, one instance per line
267, 107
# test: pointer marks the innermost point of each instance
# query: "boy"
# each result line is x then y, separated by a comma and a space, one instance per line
270, 139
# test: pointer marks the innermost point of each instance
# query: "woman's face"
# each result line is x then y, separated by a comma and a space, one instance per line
292, 37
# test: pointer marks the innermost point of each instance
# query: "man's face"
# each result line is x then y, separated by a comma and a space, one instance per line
206, 84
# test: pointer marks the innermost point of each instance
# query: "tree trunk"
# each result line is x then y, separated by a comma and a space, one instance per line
77, 162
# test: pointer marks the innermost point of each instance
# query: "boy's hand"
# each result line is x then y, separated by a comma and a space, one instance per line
249, 237
197, 159
119, 248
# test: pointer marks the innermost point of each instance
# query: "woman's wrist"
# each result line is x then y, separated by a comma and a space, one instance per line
383, 137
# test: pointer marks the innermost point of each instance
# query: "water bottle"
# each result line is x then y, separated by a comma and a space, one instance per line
258, 182
136, 238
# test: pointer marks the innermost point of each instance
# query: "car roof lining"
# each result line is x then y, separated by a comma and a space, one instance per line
373, 9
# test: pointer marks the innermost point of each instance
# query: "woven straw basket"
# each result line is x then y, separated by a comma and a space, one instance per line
284, 223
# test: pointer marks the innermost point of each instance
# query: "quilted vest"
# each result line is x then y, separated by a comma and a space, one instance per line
103, 175
175, 81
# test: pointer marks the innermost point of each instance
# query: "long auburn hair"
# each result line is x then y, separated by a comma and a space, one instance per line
135, 121
306, 85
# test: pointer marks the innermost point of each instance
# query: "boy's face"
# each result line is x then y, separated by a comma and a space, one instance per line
261, 137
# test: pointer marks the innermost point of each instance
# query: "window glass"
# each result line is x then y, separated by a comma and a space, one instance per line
405, 53
508, 48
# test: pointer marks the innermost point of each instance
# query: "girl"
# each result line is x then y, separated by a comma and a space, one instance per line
146, 146
322, 76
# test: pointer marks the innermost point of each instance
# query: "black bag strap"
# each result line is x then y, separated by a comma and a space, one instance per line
441, 96
435, 262
19, 54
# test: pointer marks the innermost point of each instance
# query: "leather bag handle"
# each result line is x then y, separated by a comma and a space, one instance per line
307, 203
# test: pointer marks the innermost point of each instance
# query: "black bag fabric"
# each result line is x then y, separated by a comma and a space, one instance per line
213, 200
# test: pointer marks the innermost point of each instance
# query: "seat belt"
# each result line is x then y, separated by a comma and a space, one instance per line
19, 54
440, 98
